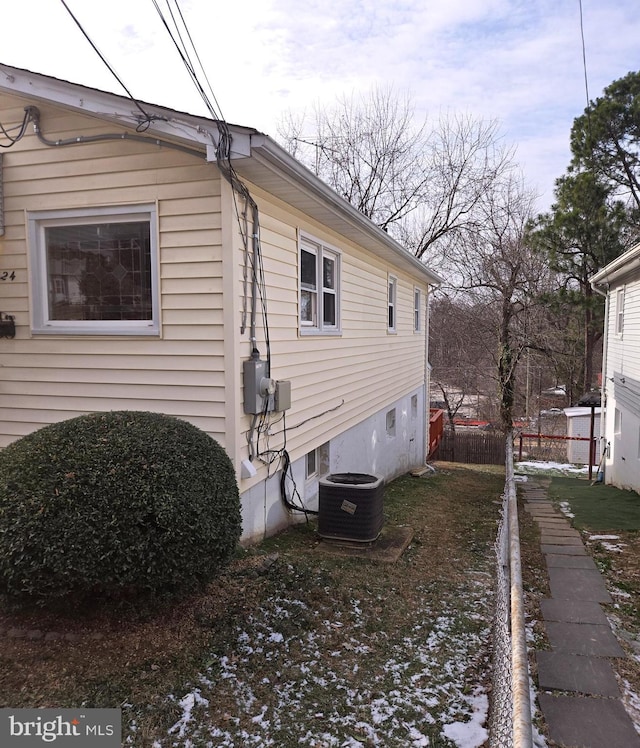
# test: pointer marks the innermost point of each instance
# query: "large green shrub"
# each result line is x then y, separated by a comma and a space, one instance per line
113, 504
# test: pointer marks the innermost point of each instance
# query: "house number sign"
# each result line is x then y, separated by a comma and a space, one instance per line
8, 275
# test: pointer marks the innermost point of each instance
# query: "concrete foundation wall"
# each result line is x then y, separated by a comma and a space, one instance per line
389, 443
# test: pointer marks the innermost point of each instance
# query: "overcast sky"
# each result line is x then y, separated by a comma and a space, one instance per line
517, 61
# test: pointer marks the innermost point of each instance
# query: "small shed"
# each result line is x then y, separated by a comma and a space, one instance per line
579, 425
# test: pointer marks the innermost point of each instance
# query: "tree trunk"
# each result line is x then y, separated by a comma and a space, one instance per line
506, 370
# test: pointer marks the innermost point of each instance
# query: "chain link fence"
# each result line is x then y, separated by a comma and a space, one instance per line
510, 719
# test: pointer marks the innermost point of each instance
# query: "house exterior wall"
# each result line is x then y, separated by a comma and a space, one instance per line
621, 385
343, 386
366, 447
181, 372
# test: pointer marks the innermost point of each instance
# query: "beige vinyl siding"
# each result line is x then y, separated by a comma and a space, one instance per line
357, 372
181, 372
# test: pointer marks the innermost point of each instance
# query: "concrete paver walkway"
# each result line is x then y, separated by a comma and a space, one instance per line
578, 690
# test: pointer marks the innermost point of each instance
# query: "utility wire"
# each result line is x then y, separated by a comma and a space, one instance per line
147, 118
586, 79
13, 139
180, 34
183, 51
202, 68
584, 54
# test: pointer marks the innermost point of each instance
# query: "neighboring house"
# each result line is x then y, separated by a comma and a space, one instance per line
619, 281
154, 260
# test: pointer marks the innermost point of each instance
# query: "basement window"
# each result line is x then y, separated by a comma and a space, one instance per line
93, 271
391, 422
311, 464
617, 422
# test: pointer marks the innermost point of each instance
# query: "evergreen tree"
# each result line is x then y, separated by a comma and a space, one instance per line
584, 231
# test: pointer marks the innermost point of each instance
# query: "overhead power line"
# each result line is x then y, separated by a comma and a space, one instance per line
176, 30
147, 117
584, 54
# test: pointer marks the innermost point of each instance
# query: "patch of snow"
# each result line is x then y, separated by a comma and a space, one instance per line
565, 508
631, 701
259, 718
471, 734
424, 672
187, 703
550, 467
611, 547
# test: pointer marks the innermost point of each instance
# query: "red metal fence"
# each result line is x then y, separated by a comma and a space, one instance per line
554, 447
436, 428
548, 446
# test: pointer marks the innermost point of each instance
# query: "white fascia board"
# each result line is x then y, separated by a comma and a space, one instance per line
120, 110
270, 154
618, 268
246, 143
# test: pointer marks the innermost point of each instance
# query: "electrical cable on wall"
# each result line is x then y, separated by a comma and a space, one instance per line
176, 26
289, 502
13, 139
33, 114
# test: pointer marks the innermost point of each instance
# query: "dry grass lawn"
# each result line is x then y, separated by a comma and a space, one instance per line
292, 646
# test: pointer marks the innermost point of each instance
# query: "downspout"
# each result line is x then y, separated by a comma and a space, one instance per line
427, 377
603, 384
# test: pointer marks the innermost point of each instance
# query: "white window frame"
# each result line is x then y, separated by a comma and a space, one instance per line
414, 407
417, 309
317, 325
390, 422
311, 464
38, 221
392, 304
619, 312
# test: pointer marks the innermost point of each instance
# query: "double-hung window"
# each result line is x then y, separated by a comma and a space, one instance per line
417, 310
620, 312
319, 288
392, 304
93, 271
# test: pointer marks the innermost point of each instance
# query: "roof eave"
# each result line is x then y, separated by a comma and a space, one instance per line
268, 154
623, 265
117, 110
255, 156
